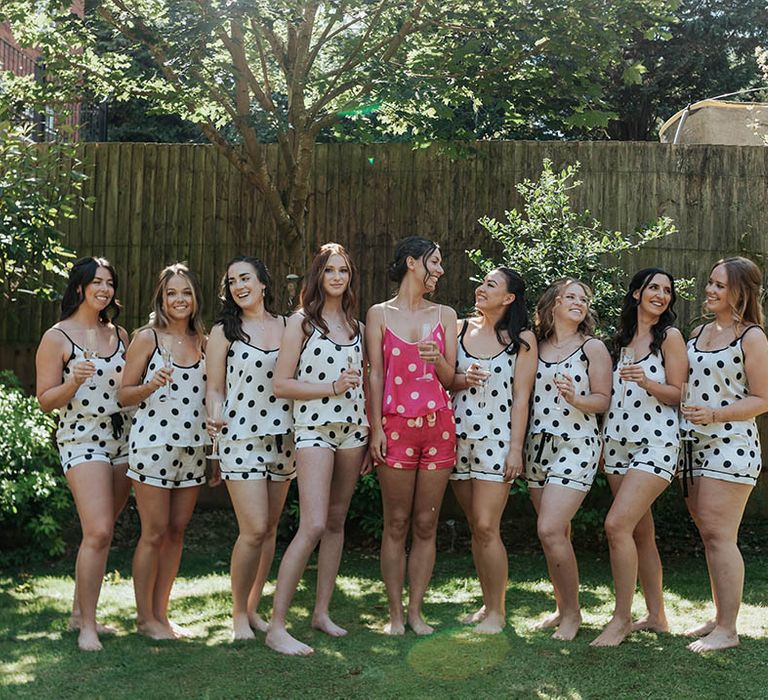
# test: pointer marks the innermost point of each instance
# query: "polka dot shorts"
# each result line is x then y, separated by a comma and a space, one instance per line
258, 458
480, 459
111, 451
168, 467
332, 436
622, 455
423, 442
570, 462
735, 458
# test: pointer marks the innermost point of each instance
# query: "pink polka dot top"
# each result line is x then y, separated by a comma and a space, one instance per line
404, 393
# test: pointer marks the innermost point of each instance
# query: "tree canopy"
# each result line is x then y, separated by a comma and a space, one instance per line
250, 71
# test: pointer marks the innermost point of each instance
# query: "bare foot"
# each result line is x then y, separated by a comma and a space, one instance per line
701, 630
325, 624
614, 633
492, 624
394, 628
549, 622
178, 631
654, 624
241, 627
257, 622
155, 630
284, 643
417, 624
88, 640
568, 627
475, 617
716, 640
75, 622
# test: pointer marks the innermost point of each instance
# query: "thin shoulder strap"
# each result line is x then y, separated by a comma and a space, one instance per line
384, 311
748, 329
464, 326
71, 342
157, 341
285, 321
439, 314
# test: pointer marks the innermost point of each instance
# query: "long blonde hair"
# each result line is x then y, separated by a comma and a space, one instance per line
158, 319
745, 285
544, 318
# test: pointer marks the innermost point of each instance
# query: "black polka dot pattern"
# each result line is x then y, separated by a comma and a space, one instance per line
551, 459
485, 412
637, 416
480, 459
323, 356
168, 467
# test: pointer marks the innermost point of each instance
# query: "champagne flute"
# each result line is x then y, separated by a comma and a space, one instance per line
484, 367
686, 400
352, 365
166, 354
561, 370
426, 337
90, 352
214, 415
626, 358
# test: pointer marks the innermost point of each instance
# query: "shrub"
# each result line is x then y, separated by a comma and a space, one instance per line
34, 499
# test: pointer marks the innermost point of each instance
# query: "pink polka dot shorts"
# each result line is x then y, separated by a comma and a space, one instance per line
421, 442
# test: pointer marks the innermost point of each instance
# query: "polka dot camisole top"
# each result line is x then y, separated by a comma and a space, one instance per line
179, 421
251, 408
485, 412
559, 417
323, 360
717, 378
637, 416
87, 414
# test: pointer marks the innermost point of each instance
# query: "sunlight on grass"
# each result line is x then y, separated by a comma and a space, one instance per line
18, 672
457, 654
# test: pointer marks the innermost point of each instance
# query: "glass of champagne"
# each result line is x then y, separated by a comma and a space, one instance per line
352, 365
91, 352
484, 367
626, 358
166, 354
426, 337
214, 415
562, 369
686, 401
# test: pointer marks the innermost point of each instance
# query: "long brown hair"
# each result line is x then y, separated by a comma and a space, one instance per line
312, 298
544, 320
158, 319
745, 285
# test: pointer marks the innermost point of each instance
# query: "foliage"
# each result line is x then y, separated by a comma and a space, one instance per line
34, 499
39, 186
708, 50
550, 239
245, 69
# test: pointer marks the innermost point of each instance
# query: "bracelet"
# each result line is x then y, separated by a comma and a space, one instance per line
714, 420
333, 386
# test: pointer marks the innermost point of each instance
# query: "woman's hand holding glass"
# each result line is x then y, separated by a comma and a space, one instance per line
348, 379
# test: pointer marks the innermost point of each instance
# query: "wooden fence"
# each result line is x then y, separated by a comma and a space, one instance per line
156, 204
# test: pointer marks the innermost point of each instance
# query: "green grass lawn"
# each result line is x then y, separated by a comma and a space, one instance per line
39, 658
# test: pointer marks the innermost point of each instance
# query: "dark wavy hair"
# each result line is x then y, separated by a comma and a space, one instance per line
628, 319
80, 276
515, 317
411, 247
230, 314
312, 296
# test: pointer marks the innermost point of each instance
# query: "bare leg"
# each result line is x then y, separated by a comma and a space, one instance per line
346, 471
181, 508
397, 487
314, 466
707, 626
277, 493
428, 496
635, 494
720, 507
91, 486
489, 500
154, 504
651, 576
462, 490
121, 489
250, 501
557, 507
552, 620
